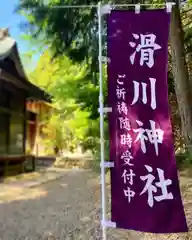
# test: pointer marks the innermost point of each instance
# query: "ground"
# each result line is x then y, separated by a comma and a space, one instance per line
65, 209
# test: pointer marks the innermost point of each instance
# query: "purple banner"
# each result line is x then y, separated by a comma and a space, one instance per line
144, 182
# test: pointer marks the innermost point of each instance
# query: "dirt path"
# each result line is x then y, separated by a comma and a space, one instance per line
68, 209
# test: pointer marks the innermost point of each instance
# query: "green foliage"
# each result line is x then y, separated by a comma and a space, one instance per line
69, 31
184, 160
186, 18
72, 80
74, 121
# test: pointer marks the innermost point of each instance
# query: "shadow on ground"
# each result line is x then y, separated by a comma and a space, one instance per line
68, 208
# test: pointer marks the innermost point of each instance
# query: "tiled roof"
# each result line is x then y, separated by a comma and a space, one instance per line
8, 50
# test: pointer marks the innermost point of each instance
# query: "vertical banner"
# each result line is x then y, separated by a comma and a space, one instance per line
144, 182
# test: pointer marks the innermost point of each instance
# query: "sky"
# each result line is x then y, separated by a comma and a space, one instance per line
10, 19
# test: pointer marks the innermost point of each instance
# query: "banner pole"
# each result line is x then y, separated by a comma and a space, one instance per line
112, 5
102, 153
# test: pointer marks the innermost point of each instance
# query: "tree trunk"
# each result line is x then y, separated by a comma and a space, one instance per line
181, 76
189, 58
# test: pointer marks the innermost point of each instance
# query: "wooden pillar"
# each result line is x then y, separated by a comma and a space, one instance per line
24, 125
8, 126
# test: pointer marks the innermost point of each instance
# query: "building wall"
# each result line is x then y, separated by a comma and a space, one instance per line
12, 120
35, 138
4, 120
31, 131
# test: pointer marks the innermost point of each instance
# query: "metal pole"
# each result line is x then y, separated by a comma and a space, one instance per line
112, 5
103, 188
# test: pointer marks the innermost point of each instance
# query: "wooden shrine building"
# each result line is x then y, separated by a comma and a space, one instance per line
15, 92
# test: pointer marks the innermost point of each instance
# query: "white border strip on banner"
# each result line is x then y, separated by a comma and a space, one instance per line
109, 164
137, 8
105, 109
109, 224
169, 7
